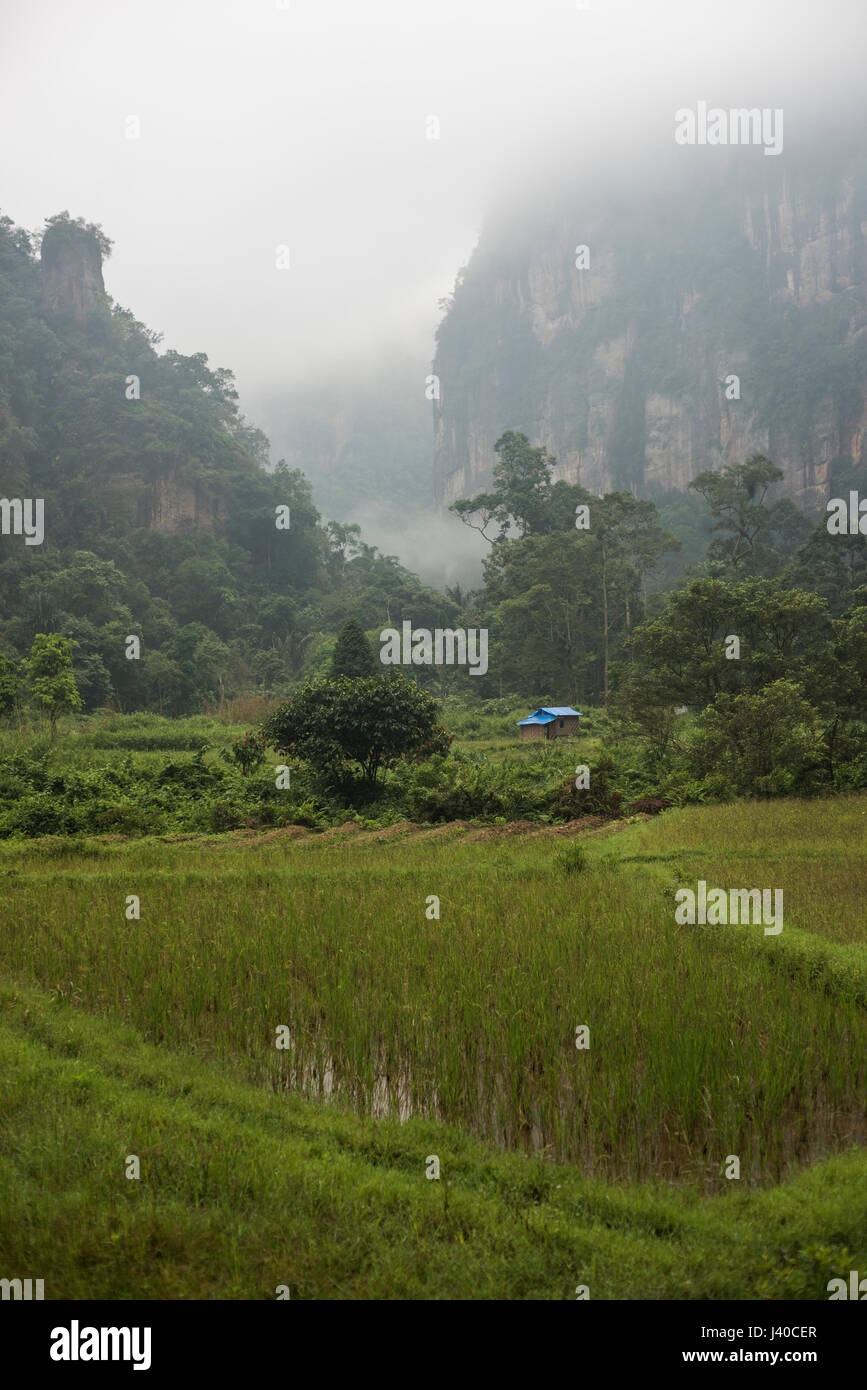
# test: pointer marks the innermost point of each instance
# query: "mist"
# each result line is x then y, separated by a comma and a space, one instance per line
307, 126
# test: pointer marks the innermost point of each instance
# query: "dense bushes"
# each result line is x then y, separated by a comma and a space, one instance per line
469, 785
40, 796
144, 795
140, 774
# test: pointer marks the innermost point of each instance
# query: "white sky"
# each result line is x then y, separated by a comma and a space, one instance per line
305, 126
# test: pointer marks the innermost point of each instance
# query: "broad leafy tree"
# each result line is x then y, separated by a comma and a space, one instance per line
680, 657
49, 678
736, 498
363, 726
523, 498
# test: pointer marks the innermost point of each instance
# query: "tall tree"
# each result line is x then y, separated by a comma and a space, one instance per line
565, 601
352, 654
50, 681
10, 683
681, 656
523, 496
736, 497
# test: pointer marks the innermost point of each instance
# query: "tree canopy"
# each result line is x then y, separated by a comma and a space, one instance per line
353, 655
161, 513
364, 726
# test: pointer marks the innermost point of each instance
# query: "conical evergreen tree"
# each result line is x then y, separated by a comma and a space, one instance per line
352, 653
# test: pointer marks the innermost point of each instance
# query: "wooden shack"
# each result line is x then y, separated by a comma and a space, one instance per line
551, 721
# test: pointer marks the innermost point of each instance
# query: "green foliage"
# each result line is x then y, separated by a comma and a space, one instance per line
113, 775
561, 599
768, 742
10, 685
247, 752
474, 785
49, 681
226, 605
353, 655
680, 657
522, 492
770, 722
369, 723
835, 567
736, 496
523, 498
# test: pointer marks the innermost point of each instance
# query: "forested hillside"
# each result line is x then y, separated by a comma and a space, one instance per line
163, 522
161, 517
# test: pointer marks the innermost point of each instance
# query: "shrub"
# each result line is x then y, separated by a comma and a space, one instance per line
225, 815
246, 752
572, 858
370, 723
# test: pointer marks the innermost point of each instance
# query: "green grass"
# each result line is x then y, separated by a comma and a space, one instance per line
101, 738
104, 736
704, 1041
242, 1191
816, 851
413, 1036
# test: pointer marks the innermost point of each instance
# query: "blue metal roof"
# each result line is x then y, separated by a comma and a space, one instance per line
547, 713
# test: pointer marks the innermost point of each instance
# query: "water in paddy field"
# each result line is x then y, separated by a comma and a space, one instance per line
559, 1133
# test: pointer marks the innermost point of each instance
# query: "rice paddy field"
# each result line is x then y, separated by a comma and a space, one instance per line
297, 1023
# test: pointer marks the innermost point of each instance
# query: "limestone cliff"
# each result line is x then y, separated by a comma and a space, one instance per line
74, 301
72, 282
169, 503
620, 369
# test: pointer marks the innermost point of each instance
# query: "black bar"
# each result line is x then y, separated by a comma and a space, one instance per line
228, 1338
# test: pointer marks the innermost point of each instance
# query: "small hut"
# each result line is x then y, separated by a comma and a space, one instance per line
552, 721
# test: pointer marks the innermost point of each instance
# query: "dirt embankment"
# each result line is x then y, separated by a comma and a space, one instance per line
408, 832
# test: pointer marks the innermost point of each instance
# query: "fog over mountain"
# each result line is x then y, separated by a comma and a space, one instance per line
308, 126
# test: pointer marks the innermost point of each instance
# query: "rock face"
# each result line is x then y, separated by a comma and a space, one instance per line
72, 281
169, 504
73, 290
624, 369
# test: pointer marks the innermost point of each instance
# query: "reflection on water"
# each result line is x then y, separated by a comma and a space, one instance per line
557, 1128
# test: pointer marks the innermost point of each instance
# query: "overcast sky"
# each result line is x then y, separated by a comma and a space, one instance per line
305, 126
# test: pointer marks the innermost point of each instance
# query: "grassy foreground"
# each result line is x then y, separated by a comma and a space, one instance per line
242, 1191
559, 1166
